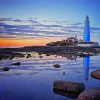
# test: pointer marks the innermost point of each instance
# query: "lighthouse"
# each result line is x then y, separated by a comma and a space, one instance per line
87, 30
86, 37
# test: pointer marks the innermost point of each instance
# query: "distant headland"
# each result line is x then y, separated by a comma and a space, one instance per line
73, 41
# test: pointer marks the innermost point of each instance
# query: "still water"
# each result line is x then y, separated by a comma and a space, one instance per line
33, 79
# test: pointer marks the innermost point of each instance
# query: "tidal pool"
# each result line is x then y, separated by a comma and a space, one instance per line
33, 79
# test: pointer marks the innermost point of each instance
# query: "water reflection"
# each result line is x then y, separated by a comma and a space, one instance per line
86, 63
69, 56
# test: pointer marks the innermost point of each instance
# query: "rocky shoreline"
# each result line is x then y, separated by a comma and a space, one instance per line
48, 50
55, 49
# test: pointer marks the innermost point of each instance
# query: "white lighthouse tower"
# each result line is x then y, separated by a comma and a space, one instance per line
87, 30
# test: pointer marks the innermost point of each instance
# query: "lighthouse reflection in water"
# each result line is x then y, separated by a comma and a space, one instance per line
86, 63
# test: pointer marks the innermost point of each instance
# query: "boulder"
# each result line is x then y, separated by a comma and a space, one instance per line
96, 74
64, 93
40, 53
4, 68
93, 94
56, 65
69, 86
17, 63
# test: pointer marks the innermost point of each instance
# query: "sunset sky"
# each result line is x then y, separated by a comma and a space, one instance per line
37, 22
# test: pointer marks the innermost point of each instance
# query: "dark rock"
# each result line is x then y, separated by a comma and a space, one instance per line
47, 54
4, 68
69, 86
40, 56
11, 57
56, 65
40, 53
84, 55
17, 63
64, 93
93, 94
28, 56
96, 74
63, 73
